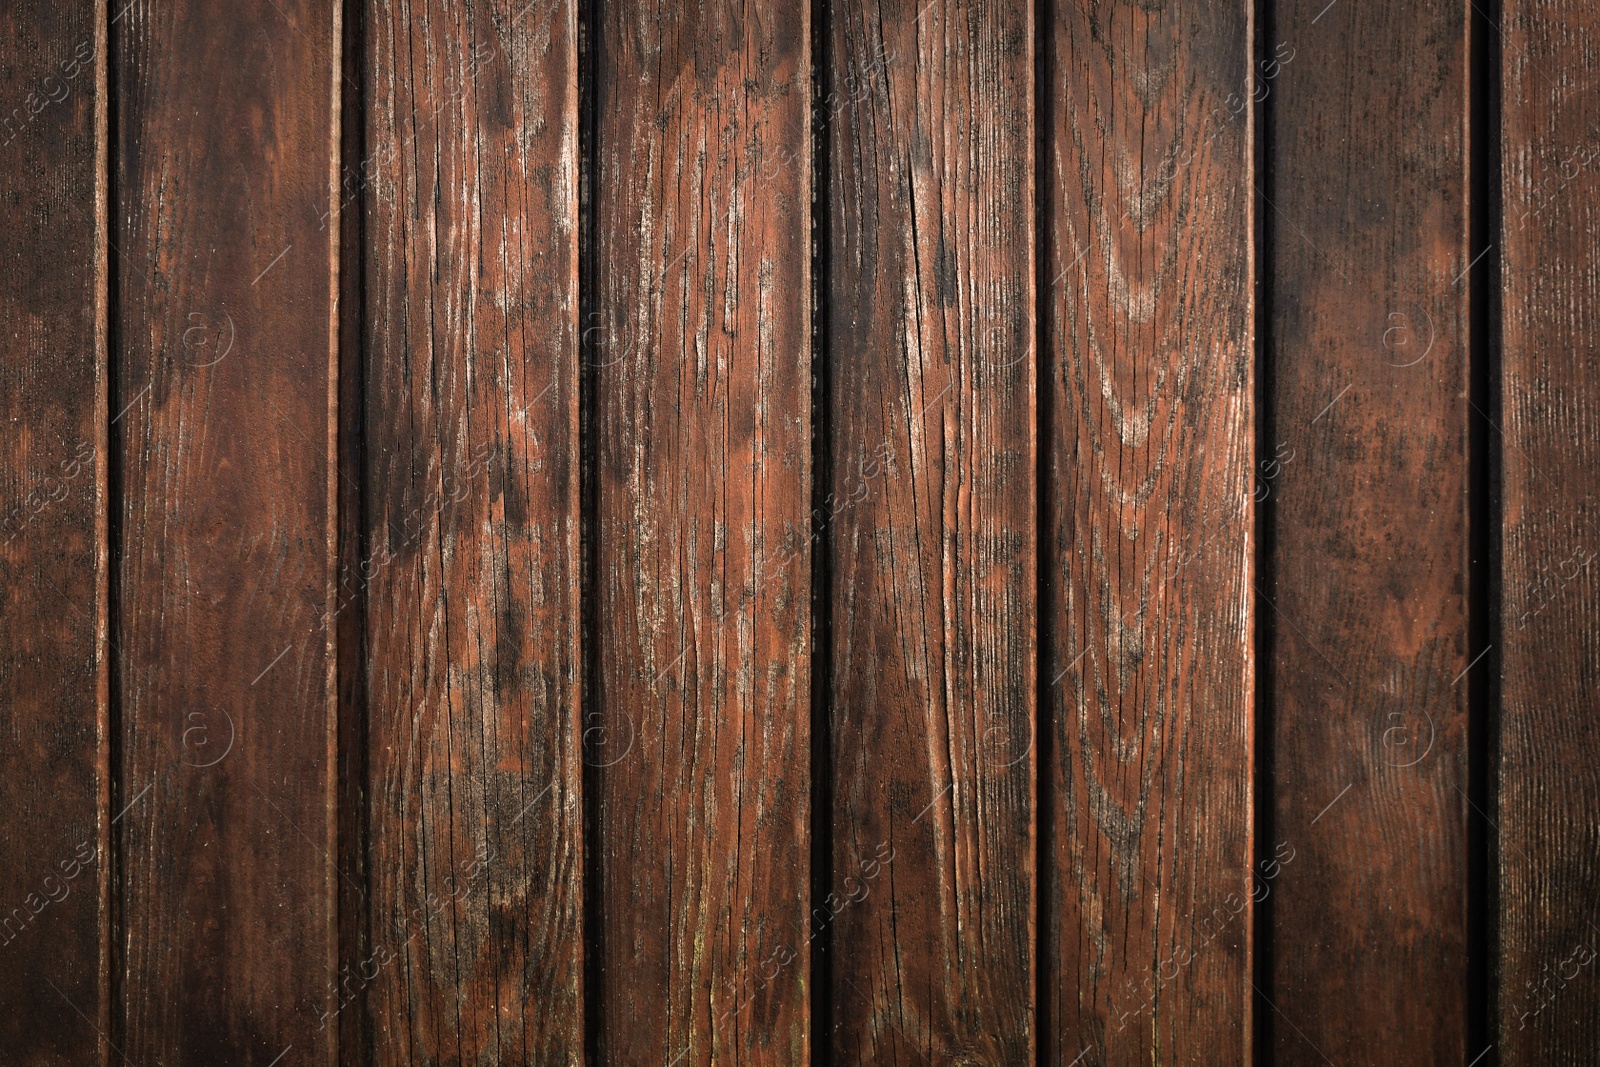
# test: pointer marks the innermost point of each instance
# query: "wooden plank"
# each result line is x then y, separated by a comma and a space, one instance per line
54, 785
1365, 469
1146, 293
699, 731
1549, 796
471, 577
226, 120
931, 522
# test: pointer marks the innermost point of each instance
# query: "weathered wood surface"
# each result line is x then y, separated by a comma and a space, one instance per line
1548, 815
1365, 477
1147, 532
698, 728
427, 540
931, 525
473, 951
225, 367
53, 479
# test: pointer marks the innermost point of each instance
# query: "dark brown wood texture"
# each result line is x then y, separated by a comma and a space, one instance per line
1364, 471
1549, 801
53, 476
930, 521
225, 370
1148, 518
428, 541
699, 725
473, 952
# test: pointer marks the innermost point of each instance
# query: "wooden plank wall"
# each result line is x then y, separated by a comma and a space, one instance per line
966, 531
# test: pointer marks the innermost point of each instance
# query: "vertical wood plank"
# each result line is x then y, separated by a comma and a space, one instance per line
931, 521
54, 785
700, 730
1549, 792
227, 128
1365, 461
1148, 330
471, 579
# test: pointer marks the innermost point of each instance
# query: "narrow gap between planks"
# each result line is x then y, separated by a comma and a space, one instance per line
333, 535
1261, 958
588, 523
1483, 521
349, 629
822, 457
1044, 505
111, 926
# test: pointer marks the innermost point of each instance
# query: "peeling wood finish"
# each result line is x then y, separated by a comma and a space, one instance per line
55, 788
1368, 393
931, 526
699, 726
472, 948
225, 369
1548, 817
1148, 543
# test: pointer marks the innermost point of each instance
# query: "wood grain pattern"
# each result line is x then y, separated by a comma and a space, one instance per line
474, 949
54, 785
1367, 604
1549, 781
225, 369
419, 592
1148, 520
700, 726
931, 523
